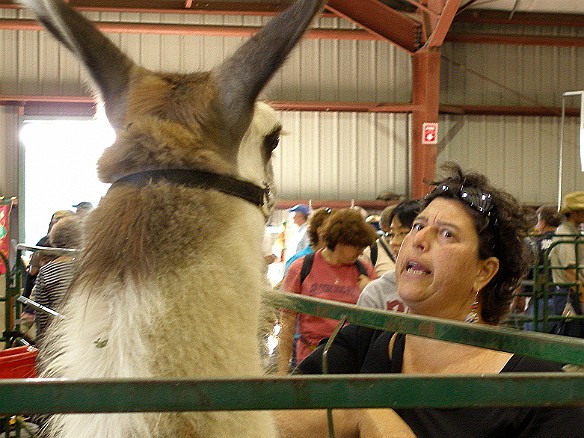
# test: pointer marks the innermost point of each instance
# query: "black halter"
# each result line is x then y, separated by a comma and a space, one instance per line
259, 196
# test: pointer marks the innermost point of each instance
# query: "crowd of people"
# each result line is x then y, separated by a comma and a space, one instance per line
463, 259
464, 252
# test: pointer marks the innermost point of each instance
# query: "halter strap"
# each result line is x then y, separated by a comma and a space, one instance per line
202, 179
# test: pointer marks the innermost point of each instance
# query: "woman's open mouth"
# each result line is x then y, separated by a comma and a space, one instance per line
416, 269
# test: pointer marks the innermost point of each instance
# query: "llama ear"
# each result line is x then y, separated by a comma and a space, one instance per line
243, 76
107, 65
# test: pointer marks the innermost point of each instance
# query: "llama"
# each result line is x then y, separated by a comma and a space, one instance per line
169, 282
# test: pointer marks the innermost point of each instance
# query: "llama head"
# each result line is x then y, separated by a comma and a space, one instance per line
182, 121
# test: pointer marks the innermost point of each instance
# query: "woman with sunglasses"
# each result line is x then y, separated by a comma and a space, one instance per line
461, 261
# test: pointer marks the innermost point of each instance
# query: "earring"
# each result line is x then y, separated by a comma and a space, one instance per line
473, 316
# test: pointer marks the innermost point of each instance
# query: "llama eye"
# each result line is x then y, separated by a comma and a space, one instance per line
271, 141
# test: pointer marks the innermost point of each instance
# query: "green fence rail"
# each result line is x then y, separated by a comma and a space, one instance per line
555, 348
543, 289
302, 392
347, 391
14, 283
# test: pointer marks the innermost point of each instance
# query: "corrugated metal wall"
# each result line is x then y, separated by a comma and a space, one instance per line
31, 62
355, 155
341, 155
511, 75
325, 155
520, 154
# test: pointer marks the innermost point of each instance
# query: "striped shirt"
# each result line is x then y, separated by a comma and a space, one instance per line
51, 284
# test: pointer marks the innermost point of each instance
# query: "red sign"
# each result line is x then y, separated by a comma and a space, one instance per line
430, 133
4, 239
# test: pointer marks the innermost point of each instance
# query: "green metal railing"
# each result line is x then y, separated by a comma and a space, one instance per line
11, 291
14, 283
294, 392
133, 395
542, 288
561, 349
339, 391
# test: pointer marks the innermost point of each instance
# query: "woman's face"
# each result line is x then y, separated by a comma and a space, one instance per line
347, 254
438, 268
396, 235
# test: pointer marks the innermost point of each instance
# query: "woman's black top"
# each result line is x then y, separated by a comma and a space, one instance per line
359, 350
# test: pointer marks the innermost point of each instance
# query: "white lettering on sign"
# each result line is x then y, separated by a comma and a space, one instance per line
430, 133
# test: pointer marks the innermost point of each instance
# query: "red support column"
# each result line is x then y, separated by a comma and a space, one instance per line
425, 97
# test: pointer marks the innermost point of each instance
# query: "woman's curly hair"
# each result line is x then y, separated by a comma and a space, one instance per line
500, 235
347, 226
316, 219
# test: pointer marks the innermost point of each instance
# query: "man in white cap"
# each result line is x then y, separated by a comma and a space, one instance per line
570, 255
301, 213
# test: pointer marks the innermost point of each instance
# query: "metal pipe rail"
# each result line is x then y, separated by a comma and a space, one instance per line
562, 349
340, 391
47, 396
47, 249
311, 392
28, 302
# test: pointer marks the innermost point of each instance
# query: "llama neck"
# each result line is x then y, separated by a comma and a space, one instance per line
165, 229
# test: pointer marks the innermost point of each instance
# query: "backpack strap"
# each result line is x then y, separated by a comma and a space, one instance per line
374, 252
306, 267
309, 259
386, 249
361, 268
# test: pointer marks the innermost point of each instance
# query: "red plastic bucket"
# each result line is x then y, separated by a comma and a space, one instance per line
18, 363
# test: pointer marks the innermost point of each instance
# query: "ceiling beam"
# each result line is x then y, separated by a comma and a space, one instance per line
508, 110
196, 29
442, 23
514, 40
381, 20
484, 16
290, 105
173, 7
339, 34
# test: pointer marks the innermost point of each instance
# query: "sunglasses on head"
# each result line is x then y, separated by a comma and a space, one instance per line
473, 197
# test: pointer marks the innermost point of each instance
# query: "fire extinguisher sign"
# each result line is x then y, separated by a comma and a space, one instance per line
430, 133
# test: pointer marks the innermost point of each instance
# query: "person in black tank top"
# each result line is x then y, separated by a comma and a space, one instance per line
462, 261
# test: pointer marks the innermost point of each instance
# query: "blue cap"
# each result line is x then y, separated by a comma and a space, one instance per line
302, 208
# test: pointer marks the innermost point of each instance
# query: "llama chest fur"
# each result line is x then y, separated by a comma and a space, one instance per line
191, 313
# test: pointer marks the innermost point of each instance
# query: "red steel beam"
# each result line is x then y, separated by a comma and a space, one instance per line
340, 34
356, 107
501, 110
182, 29
176, 7
288, 105
443, 23
516, 40
485, 16
380, 20
283, 105
425, 95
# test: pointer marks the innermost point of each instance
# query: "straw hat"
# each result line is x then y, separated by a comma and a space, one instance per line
572, 202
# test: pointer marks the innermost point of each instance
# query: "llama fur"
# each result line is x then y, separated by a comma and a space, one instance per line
132, 291
169, 282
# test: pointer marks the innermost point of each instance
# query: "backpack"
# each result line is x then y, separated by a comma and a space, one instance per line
375, 251
309, 259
